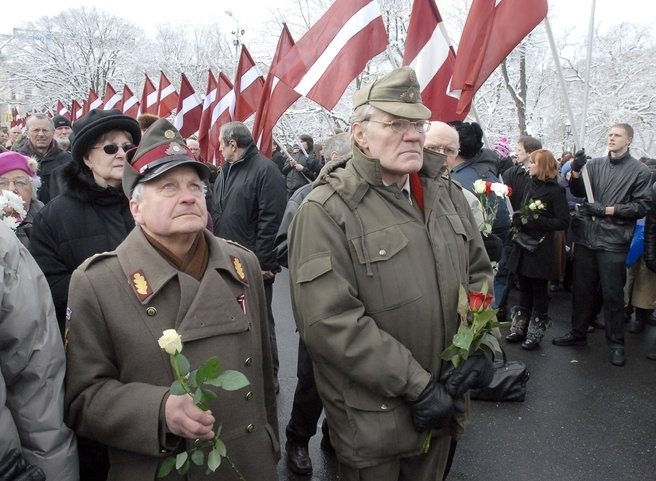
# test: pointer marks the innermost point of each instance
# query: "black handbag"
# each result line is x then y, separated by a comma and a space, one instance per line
508, 383
526, 241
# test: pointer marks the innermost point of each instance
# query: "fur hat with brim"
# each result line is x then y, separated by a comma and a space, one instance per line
162, 148
89, 128
396, 93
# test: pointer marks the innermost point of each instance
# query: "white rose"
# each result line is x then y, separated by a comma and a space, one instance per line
479, 186
532, 206
170, 341
501, 190
538, 204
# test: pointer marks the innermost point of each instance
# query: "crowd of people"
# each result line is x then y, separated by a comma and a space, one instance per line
128, 233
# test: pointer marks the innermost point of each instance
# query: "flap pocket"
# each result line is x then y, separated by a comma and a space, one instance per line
380, 245
315, 266
457, 225
365, 400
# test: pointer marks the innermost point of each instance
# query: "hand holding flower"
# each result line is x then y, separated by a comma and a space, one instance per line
184, 419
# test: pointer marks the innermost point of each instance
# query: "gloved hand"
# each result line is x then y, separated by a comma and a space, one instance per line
14, 468
433, 408
594, 209
475, 372
579, 160
517, 220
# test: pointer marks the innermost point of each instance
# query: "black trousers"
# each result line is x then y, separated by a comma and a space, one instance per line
534, 296
599, 277
268, 291
307, 406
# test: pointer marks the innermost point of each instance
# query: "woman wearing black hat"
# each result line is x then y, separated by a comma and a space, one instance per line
91, 216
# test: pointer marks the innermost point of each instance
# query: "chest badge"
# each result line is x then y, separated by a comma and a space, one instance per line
140, 285
239, 268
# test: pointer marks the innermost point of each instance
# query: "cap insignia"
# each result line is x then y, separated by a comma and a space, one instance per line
174, 148
239, 268
169, 134
140, 285
411, 95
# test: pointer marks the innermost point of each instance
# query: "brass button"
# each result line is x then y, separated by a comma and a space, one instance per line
250, 428
248, 396
383, 407
248, 361
382, 252
151, 311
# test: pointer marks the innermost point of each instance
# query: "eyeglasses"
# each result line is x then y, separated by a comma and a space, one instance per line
402, 125
446, 150
111, 149
19, 182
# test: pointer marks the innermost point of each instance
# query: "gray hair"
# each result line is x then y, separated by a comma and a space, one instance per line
359, 115
39, 116
137, 192
238, 132
339, 143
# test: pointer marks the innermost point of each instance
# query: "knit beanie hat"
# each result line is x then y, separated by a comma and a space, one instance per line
501, 147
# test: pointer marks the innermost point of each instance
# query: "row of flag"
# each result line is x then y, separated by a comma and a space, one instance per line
322, 64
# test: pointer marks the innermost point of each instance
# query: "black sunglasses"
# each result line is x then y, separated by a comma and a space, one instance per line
111, 149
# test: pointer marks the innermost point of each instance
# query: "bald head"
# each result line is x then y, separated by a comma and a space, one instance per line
444, 139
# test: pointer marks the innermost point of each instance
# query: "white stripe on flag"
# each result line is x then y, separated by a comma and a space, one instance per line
249, 77
431, 57
223, 104
189, 103
209, 98
111, 103
355, 24
151, 99
95, 104
129, 103
167, 91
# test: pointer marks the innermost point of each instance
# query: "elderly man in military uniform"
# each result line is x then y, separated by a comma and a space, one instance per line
169, 273
377, 253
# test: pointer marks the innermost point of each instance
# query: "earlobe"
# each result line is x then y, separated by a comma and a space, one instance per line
136, 212
360, 136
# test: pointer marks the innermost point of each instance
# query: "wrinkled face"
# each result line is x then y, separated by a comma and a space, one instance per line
172, 206
399, 153
522, 156
4, 137
107, 168
444, 139
15, 133
618, 141
63, 132
40, 133
228, 149
18, 182
194, 146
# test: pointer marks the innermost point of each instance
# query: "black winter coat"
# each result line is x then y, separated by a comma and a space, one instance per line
623, 183
650, 232
518, 178
52, 160
541, 263
296, 179
248, 203
85, 220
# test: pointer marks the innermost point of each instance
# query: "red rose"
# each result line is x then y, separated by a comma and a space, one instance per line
488, 188
479, 301
509, 191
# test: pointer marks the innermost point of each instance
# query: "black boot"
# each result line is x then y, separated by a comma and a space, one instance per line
298, 458
637, 325
536, 329
651, 354
519, 318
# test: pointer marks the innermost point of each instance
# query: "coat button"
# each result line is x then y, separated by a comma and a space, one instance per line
382, 252
250, 428
383, 407
248, 396
151, 311
248, 361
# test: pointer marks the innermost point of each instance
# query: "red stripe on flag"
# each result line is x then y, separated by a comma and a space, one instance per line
167, 97
206, 117
189, 109
248, 86
149, 97
130, 102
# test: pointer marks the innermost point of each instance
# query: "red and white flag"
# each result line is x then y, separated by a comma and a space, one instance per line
167, 98
225, 96
276, 98
206, 118
130, 102
77, 110
248, 87
334, 51
189, 109
112, 98
93, 102
62, 110
492, 30
149, 97
429, 52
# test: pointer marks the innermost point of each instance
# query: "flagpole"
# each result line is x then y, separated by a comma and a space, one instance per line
298, 139
561, 78
588, 66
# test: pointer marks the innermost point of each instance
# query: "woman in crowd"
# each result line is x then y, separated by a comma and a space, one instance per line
91, 216
18, 175
534, 269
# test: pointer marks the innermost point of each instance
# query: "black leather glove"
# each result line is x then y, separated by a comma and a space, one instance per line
14, 468
593, 209
433, 408
579, 160
475, 372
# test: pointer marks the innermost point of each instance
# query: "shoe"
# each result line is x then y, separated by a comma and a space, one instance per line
591, 329
598, 324
519, 325
530, 344
569, 339
298, 459
617, 356
635, 326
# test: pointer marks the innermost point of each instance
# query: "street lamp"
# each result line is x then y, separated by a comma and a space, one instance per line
238, 32
568, 135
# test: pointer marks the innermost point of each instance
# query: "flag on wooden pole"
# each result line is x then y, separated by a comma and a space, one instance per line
189, 109
248, 87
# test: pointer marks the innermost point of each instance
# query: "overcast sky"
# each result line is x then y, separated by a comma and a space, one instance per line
564, 15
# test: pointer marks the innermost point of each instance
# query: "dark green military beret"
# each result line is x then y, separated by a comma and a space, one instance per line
396, 93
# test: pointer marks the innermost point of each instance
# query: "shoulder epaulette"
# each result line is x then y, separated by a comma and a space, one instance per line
96, 258
237, 244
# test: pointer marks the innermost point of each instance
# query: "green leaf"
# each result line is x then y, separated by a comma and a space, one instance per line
463, 302
210, 369
198, 457
208, 395
213, 460
180, 459
490, 341
183, 364
177, 388
464, 339
202, 406
198, 397
166, 467
229, 380
220, 447
184, 468
191, 380
449, 352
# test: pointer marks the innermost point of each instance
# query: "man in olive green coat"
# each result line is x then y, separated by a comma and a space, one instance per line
376, 259
169, 273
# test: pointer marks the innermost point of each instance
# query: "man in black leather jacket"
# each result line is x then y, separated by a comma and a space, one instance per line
603, 229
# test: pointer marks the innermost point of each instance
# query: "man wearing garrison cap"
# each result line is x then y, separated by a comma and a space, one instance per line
169, 273
377, 253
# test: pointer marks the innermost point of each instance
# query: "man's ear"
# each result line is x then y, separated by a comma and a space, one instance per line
135, 209
360, 135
